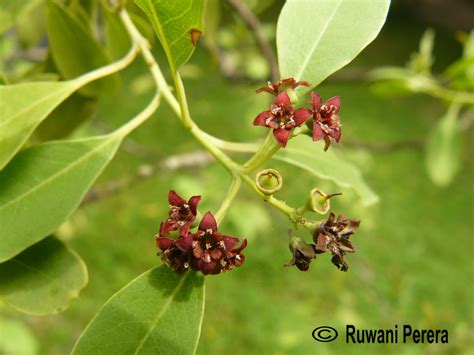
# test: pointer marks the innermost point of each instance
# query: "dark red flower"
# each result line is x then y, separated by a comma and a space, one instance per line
282, 84
181, 215
333, 236
172, 255
207, 250
326, 121
282, 118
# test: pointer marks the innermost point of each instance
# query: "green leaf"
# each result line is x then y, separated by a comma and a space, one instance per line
422, 61
17, 338
44, 184
443, 149
177, 24
75, 51
43, 279
30, 24
315, 38
65, 118
212, 19
10, 10
117, 39
26, 106
302, 152
159, 312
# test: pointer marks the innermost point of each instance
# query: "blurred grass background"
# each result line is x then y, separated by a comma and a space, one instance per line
413, 263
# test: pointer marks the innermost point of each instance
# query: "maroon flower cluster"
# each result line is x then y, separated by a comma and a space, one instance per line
283, 118
207, 250
330, 236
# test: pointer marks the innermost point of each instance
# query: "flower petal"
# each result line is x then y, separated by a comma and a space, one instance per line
208, 222
301, 83
282, 100
301, 115
215, 253
230, 242
282, 135
185, 243
164, 243
261, 119
336, 134
174, 199
327, 142
211, 267
317, 131
334, 101
183, 231
315, 101
167, 226
193, 202
242, 246
266, 89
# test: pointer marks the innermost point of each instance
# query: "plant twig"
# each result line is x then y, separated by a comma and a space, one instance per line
253, 24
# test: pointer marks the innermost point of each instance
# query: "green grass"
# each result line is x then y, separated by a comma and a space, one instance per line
412, 266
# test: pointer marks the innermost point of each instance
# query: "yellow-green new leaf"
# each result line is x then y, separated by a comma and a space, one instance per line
315, 38
44, 184
159, 312
307, 155
43, 279
178, 25
23, 107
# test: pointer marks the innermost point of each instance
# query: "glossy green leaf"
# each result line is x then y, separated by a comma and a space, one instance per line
307, 155
177, 24
44, 184
315, 38
26, 106
65, 118
43, 279
17, 338
74, 50
159, 312
443, 149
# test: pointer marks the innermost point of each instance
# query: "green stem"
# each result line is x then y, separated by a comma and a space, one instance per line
459, 97
266, 150
231, 193
183, 103
220, 156
279, 205
108, 69
231, 146
156, 73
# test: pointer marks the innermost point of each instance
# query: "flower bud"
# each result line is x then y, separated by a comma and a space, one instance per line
269, 181
319, 201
